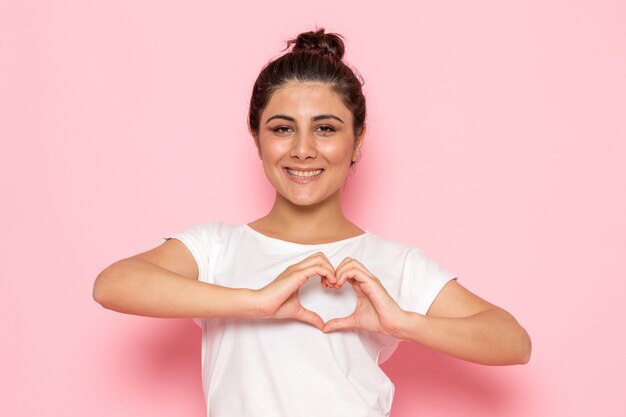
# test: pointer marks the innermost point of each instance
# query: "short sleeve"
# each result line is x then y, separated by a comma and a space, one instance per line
197, 239
422, 280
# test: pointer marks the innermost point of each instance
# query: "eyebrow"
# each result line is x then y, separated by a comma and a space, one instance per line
314, 118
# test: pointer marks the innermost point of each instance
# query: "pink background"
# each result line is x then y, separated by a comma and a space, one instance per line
496, 143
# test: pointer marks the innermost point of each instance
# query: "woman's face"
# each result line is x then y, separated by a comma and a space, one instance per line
306, 142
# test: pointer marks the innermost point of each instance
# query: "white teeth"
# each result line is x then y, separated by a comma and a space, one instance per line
304, 174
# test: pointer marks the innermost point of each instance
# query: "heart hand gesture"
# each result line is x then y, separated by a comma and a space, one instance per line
279, 299
375, 310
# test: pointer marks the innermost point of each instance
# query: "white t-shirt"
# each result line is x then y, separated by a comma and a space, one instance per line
287, 368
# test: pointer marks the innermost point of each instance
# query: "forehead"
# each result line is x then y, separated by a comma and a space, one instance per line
306, 99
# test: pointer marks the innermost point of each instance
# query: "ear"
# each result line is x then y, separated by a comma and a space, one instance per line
356, 155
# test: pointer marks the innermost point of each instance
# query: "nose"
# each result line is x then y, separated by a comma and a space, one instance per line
303, 146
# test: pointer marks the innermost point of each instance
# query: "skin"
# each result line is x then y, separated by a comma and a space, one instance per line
307, 213
163, 282
459, 323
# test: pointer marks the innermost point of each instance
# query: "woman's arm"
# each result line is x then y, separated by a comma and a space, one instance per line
458, 322
163, 282
464, 325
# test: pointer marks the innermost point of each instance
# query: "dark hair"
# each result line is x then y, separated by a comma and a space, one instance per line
316, 56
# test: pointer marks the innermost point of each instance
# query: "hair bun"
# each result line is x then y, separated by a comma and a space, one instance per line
319, 42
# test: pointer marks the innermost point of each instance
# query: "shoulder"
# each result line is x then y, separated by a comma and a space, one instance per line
410, 257
389, 246
204, 237
211, 228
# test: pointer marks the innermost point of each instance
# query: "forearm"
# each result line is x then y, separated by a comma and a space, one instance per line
138, 287
492, 337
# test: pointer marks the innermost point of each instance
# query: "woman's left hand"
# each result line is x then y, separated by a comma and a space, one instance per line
375, 309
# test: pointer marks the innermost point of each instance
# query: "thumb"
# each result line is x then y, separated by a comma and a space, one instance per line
310, 317
339, 323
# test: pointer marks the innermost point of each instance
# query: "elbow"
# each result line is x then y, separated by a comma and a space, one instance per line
514, 346
527, 349
102, 289
99, 291
97, 294
518, 345
523, 348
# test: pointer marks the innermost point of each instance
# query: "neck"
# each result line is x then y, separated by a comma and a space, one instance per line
316, 223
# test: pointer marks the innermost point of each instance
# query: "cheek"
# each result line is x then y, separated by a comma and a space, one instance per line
337, 153
271, 151
271, 155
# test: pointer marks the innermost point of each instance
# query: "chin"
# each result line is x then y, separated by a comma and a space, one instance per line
305, 201
304, 198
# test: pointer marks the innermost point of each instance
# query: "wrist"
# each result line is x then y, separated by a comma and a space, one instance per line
247, 305
409, 325
229, 302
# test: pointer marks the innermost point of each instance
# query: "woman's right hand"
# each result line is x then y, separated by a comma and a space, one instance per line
279, 299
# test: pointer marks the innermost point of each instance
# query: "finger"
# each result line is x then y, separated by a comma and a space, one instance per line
340, 323
360, 266
371, 288
302, 275
329, 282
323, 255
345, 263
351, 263
318, 259
308, 316
349, 270
291, 282
348, 264
356, 274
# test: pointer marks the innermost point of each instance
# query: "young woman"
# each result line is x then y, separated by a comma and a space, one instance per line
299, 308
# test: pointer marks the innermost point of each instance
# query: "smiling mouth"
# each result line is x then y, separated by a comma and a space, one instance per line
303, 175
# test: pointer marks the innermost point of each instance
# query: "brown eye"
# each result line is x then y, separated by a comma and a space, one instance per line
281, 130
326, 129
